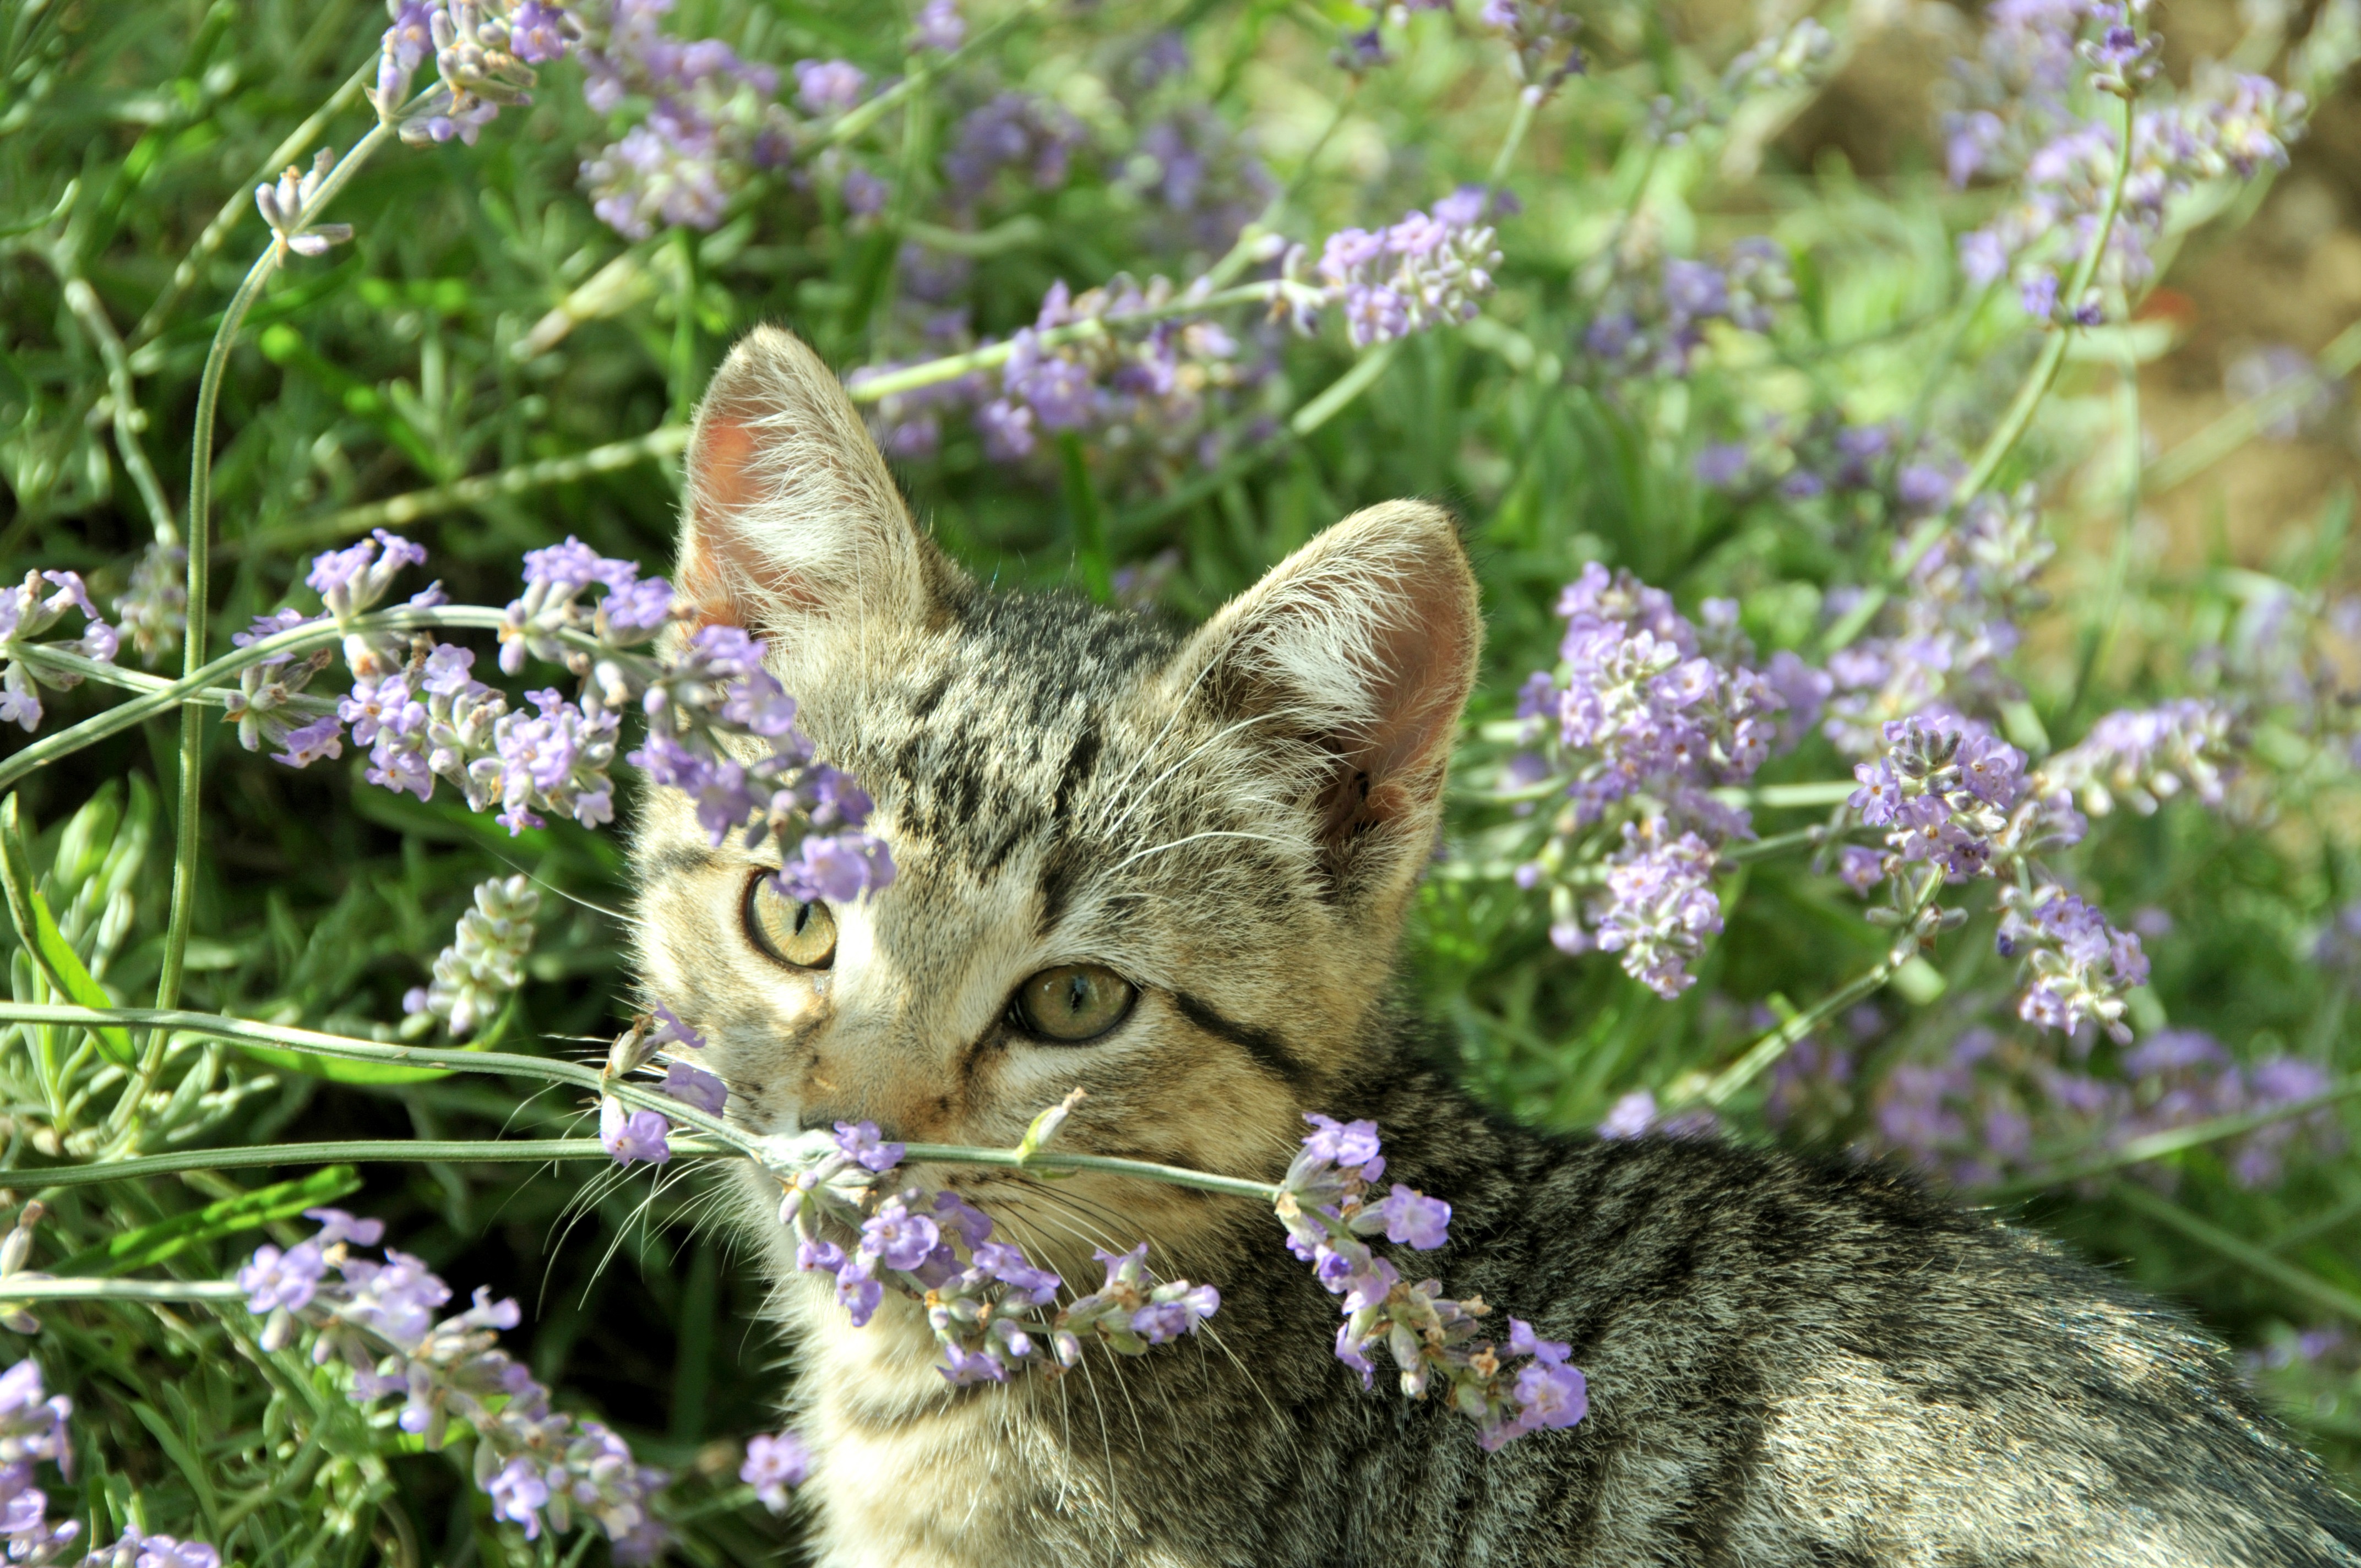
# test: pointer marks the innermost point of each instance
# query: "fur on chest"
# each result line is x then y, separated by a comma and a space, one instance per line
908, 1470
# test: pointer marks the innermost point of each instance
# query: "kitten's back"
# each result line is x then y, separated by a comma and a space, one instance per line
1799, 1361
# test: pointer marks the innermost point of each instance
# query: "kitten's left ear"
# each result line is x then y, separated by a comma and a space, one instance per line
795, 529
1346, 668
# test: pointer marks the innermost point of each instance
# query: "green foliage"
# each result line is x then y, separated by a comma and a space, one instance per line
483, 320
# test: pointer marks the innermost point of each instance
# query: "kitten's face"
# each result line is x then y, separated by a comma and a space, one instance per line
1168, 872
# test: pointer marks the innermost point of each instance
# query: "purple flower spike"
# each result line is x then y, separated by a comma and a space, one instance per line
829, 86
774, 1466
694, 1087
1414, 1218
897, 1238
861, 1145
635, 1135
1162, 1321
335, 1226
273, 1279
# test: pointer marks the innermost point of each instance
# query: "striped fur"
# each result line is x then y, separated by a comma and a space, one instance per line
1791, 1363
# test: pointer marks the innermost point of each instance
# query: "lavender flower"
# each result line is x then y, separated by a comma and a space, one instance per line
1630, 1116
282, 207
2273, 371
2081, 966
1431, 1339
983, 1297
694, 1087
773, 1467
2146, 756
630, 612
709, 128
1778, 63
1944, 640
939, 27
541, 1468
1945, 790
273, 1279
1993, 1108
1541, 34
31, 1427
484, 964
829, 86
1636, 1115
1659, 910
153, 608
1011, 130
1203, 179
484, 51
1411, 276
33, 1539
26, 612
860, 1143
2229, 125
629, 1136
1647, 724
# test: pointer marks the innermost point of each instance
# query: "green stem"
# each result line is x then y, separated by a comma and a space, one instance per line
2015, 423
312, 1041
1340, 393
18, 1287
720, 1138
1172, 1175
1242, 250
1519, 124
125, 418
460, 1151
2159, 1146
241, 201
56, 662
1777, 844
665, 441
189, 826
1759, 1057
2237, 427
1818, 792
191, 688
2238, 1250
189, 829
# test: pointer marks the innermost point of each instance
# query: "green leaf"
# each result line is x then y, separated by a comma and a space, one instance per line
1089, 514
152, 1244
337, 1071
38, 929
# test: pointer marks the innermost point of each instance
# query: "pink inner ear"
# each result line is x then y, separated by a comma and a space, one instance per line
1391, 767
719, 568
1417, 698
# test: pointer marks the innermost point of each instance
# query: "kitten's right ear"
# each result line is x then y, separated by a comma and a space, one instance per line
795, 529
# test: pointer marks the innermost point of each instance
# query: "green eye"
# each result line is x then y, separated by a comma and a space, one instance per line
797, 933
1073, 1003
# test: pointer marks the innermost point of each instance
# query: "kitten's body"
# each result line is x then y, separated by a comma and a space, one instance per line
1789, 1363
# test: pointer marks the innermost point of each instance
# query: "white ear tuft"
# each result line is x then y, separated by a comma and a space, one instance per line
793, 520
1357, 655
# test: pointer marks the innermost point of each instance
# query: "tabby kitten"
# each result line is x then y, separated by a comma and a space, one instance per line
1173, 870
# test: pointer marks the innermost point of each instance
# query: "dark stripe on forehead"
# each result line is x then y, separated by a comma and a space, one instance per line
677, 860
1081, 759
1268, 1051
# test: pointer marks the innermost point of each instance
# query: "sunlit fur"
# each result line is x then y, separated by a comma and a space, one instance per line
1790, 1363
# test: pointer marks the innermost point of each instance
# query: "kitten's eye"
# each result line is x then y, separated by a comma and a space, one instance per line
799, 934
1073, 1003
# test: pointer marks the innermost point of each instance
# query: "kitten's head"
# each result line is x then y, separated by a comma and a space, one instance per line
1170, 871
